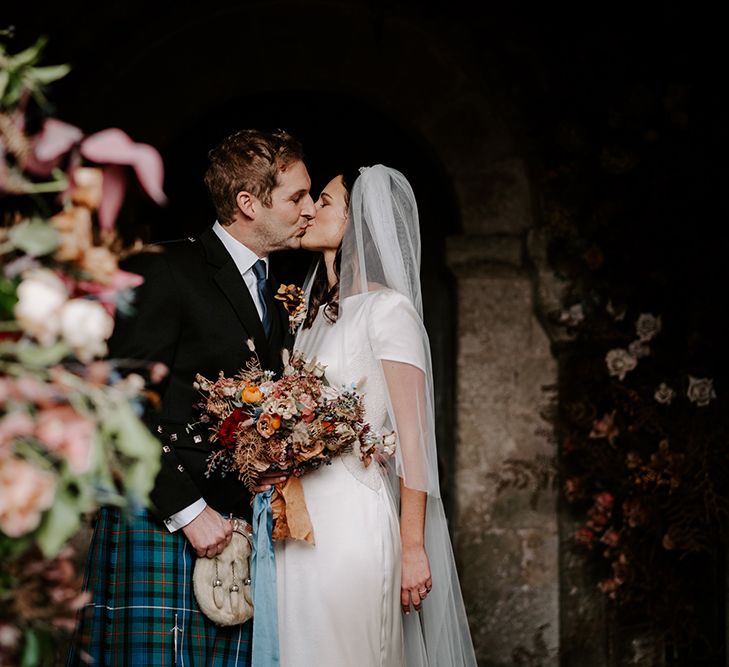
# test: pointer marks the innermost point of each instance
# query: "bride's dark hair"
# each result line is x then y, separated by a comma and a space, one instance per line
320, 291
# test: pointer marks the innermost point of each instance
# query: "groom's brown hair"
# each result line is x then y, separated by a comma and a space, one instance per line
248, 160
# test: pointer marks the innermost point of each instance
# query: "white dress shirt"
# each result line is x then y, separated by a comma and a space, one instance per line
244, 259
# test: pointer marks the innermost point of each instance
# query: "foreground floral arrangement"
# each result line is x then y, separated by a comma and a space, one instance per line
294, 424
71, 438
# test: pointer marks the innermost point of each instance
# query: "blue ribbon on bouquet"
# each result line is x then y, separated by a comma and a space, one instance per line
263, 584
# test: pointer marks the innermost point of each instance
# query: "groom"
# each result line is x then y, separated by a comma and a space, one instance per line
201, 300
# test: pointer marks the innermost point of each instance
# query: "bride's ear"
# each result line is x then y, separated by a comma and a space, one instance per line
247, 204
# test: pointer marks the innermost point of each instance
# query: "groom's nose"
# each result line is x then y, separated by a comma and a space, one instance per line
309, 210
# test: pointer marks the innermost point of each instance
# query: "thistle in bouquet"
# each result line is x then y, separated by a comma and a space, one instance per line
293, 424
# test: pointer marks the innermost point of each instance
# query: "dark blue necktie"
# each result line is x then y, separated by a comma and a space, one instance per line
259, 269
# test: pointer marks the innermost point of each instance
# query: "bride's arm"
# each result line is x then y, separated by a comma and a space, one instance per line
406, 386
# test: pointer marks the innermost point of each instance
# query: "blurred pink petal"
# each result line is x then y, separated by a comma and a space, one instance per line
113, 146
55, 139
125, 280
112, 196
107, 294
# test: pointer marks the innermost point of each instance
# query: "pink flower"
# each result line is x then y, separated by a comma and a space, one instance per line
611, 538
571, 487
634, 512
584, 536
609, 587
605, 500
605, 428
33, 390
25, 492
64, 431
14, 425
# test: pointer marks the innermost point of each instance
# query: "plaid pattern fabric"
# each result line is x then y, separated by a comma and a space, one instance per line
143, 609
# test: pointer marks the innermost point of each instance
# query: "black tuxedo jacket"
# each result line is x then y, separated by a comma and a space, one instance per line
194, 313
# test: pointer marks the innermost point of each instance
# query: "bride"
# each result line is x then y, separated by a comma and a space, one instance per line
379, 587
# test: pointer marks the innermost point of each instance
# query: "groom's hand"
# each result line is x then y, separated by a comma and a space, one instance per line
208, 533
268, 479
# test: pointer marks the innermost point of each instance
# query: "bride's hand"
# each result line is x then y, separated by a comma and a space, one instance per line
415, 580
268, 479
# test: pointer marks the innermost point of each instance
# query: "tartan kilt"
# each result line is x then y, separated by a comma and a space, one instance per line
143, 610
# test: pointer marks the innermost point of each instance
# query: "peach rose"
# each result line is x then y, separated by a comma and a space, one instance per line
66, 432
25, 493
265, 425
310, 450
100, 263
74, 228
18, 424
88, 183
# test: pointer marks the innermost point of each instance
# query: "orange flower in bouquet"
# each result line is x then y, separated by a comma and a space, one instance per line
293, 424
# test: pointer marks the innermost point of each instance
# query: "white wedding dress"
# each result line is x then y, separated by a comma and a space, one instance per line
339, 600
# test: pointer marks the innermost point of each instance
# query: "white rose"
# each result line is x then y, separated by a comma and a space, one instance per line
647, 326
619, 362
701, 390
85, 326
41, 296
664, 394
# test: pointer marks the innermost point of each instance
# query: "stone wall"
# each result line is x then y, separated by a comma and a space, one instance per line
508, 551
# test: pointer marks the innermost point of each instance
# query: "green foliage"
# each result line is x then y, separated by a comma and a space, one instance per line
18, 73
34, 237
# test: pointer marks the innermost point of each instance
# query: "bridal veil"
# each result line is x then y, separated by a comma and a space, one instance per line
381, 251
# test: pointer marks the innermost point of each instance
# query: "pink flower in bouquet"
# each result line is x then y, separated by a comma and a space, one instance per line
33, 390
66, 432
307, 409
25, 492
18, 424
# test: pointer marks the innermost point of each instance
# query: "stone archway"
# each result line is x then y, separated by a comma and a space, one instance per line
178, 69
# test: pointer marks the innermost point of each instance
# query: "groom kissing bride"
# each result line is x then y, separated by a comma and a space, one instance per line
379, 587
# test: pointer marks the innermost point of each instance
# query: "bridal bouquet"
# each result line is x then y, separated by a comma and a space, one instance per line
294, 424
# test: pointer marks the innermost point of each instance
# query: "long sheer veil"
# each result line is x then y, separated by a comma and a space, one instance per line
381, 251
